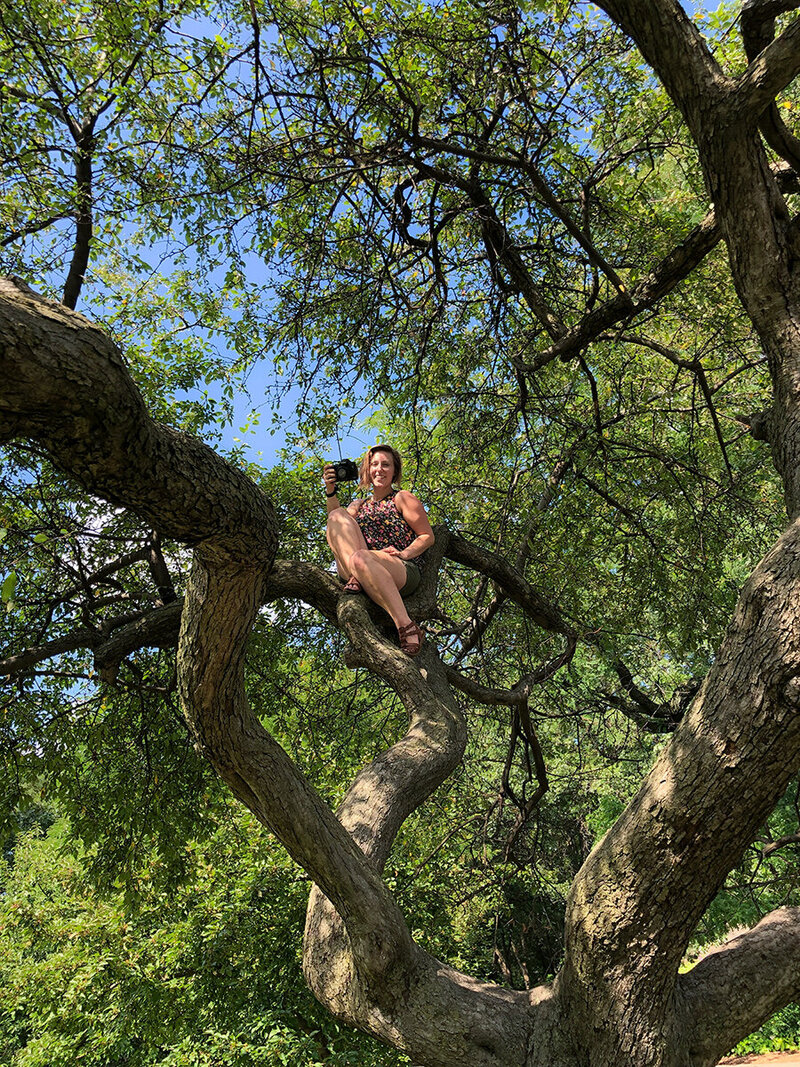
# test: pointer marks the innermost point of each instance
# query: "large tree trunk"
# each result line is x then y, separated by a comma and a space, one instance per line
637, 899
635, 902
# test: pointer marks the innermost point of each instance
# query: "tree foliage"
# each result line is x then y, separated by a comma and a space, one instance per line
517, 240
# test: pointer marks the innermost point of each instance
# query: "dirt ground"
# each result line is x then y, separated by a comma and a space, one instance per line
786, 1059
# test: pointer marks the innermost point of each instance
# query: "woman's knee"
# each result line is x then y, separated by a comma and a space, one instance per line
362, 560
340, 524
338, 518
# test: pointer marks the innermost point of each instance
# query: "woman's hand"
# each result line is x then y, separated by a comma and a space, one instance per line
390, 550
329, 478
329, 481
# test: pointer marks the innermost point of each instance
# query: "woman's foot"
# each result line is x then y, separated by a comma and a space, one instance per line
411, 638
352, 585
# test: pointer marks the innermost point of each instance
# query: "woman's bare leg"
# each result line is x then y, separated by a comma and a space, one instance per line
382, 578
345, 537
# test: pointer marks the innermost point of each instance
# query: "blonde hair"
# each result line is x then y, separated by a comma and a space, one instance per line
363, 471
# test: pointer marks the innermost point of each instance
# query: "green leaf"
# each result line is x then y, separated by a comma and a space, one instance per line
8, 587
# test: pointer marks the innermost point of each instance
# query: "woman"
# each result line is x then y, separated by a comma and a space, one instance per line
375, 542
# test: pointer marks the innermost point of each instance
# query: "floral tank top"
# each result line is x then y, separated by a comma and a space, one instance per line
382, 525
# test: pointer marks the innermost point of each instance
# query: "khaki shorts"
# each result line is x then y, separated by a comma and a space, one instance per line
413, 578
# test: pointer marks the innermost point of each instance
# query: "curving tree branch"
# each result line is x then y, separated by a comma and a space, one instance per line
71, 393
724, 996
758, 31
773, 65
22, 662
675, 49
623, 306
725, 768
494, 566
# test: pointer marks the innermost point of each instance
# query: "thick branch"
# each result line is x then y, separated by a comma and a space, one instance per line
773, 69
473, 1022
66, 386
497, 568
675, 49
20, 662
727, 764
758, 30
763, 244
662, 278
734, 989
70, 392
157, 629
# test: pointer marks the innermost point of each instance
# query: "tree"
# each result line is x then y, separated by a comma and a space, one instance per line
177, 981
637, 899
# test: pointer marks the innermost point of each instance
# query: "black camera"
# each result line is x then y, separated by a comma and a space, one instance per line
346, 470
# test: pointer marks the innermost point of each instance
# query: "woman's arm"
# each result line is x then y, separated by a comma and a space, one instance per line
332, 498
329, 481
410, 507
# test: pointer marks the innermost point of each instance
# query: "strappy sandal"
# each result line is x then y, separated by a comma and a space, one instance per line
352, 585
411, 638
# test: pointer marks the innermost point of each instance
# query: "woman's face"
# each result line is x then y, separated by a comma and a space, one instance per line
381, 469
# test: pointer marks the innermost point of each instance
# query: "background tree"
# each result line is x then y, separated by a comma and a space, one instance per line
477, 229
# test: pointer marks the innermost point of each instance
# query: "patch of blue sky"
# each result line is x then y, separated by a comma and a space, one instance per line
268, 407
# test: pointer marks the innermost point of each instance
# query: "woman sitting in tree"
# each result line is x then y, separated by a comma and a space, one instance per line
376, 542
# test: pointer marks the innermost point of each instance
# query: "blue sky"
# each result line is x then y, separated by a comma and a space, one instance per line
354, 438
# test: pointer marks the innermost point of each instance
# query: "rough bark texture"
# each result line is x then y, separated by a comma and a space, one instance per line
69, 391
634, 904
640, 894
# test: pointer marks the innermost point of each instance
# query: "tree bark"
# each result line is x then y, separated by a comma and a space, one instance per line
70, 392
636, 901
634, 904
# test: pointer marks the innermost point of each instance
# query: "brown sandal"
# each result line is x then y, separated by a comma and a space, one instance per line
411, 638
352, 586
